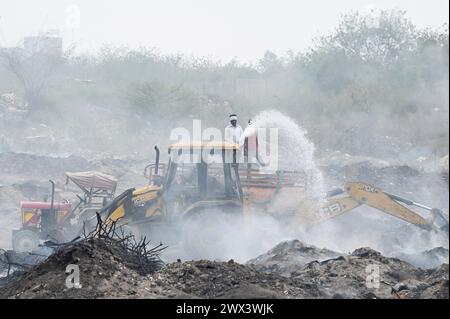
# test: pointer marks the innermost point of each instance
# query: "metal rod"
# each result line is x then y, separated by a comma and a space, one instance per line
52, 211
157, 160
53, 195
407, 201
335, 192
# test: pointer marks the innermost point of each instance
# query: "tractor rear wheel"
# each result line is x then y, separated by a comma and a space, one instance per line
25, 241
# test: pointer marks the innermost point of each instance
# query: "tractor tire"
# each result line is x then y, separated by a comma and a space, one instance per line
25, 241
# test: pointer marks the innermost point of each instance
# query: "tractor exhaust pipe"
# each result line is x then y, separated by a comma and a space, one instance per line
157, 160
53, 195
52, 203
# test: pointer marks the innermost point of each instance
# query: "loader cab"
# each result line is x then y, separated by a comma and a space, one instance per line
202, 174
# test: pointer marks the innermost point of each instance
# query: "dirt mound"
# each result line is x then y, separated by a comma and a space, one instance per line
106, 270
19, 165
345, 276
367, 171
29, 174
355, 276
209, 279
394, 178
290, 256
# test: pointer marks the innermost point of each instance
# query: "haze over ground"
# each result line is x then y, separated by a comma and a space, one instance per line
216, 29
359, 105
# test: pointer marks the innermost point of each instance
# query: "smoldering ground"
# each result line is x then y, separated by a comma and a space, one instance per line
351, 92
220, 236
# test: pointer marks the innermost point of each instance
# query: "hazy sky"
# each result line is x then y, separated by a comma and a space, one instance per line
221, 29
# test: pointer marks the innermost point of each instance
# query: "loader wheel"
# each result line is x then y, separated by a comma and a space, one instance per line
25, 241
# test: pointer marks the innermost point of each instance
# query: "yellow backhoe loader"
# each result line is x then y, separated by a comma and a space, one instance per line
201, 178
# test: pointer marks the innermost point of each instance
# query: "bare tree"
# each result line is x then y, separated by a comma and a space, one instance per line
35, 66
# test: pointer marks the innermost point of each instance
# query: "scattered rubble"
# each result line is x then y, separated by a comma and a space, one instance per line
107, 269
20, 165
367, 274
346, 276
13, 264
427, 259
105, 273
291, 269
209, 279
402, 180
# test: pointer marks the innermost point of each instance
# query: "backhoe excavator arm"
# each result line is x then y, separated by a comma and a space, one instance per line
374, 197
362, 193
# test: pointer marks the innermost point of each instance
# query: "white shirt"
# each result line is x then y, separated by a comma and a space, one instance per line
233, 133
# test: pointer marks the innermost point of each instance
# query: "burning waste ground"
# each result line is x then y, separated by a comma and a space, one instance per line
357, 205
228, 257
106, 271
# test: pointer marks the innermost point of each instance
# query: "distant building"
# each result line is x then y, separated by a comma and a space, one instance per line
47, 42
4, 50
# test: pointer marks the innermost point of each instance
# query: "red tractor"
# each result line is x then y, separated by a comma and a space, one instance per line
61, 221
